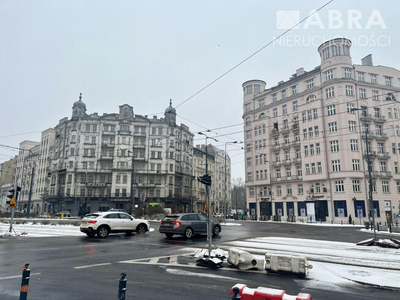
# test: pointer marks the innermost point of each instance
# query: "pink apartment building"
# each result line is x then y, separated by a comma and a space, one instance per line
306, 150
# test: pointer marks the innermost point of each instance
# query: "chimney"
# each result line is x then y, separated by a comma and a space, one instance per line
300, 72
367, 61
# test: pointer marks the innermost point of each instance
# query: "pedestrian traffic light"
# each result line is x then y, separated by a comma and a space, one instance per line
205, 179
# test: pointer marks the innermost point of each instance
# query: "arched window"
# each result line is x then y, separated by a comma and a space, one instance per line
262, 116
311, 98
390, 96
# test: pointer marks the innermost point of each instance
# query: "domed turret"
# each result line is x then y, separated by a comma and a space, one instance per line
170, 114
79, 108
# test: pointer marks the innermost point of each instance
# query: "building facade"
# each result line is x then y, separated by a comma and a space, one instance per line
306, 146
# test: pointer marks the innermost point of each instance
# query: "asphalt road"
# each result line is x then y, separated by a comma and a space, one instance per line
156, 267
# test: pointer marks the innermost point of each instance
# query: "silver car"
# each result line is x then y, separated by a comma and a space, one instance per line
187, 224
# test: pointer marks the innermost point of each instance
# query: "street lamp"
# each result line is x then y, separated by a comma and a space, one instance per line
224, 210
209, 238
371, 202
132, 195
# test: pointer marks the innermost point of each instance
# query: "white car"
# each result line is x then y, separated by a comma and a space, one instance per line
103, 223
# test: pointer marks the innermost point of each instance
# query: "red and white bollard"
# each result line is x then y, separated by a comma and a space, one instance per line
262, 293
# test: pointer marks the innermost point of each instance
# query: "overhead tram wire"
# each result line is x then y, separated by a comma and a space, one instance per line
247, 58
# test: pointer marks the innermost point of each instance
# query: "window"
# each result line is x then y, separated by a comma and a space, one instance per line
312, 151
352, 125
375, 95
248, 147
339, 186
249, 161
318, 148
354, 145
315, 112
332, 127
305, 150
313, 170
261, 103
310, 132
360, 76
381, 148
248, 120
356, 164
331, 110
274, 98
278, 190
283, 94
347, 72
335, 50
329, 75
363, 94
382, 167
350, 107
246, 108
349, 90
249, 176
256, 88
307, 169
356, 185
309, 115
305, 133
288, 172
334, 146
289, 189
275, 112
300, 189
325, 53
346, 50
385, 186
248, 134
249, 89
388, 81
276, 142
373, 78
316, 131
310, 83
319, 167
299, 172
336, 165
330, 92
294, 90
398, 187
284, 109
295, 106
377, 112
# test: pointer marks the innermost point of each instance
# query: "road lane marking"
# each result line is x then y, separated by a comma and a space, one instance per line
173, 259
91, 266
17, 276
44, 249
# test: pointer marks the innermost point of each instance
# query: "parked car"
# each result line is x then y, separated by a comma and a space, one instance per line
65, 213
103, 223
187, 224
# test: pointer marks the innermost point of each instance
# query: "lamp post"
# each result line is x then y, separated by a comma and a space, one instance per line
225, 211
209, 238
371, 202
132, 194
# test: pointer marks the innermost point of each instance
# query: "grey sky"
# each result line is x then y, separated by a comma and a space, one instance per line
145, 52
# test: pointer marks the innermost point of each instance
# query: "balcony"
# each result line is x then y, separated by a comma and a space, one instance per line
287, 162
385, 174
276, 163
380, 136
107, 145
285, 130
295, 127
139, 133
139, 146
383, 155
125, 132
274, 132
374, 174
297, 160
366, 118
285, 178
296, 144
379, 119
286, 145
109, 133
277, 147
372, 154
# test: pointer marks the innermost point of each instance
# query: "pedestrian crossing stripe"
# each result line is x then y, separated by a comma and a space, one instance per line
163, 260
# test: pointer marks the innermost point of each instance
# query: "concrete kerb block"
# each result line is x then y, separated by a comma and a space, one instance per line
279, 263
244, 260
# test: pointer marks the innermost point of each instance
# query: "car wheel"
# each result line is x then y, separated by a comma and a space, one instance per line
141, 229
216, 231
102, 232
169, 235
129, 232
90, 234
188, 233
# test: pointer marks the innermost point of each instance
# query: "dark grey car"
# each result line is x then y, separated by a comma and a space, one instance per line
187, 224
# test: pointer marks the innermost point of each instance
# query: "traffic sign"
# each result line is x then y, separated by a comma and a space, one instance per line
12, 203
398, 215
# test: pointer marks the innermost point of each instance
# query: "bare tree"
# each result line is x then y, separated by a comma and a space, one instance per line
238, 194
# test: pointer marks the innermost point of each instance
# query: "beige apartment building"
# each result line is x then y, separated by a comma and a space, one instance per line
306, 147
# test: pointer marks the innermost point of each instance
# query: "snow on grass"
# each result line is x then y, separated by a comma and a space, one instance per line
31, 230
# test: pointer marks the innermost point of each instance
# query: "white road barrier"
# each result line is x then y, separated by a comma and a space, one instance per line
244, 260
287, 264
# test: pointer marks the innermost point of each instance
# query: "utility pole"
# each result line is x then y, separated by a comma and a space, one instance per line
132, 195
30, 192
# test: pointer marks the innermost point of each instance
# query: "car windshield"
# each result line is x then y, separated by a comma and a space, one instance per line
92, 216
170, 218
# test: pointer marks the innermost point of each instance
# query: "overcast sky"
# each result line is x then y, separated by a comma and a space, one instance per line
145, 52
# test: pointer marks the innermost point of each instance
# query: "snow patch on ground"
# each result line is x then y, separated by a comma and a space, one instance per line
230, 224
31, 230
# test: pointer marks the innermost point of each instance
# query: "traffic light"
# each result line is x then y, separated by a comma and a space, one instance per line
13, 201
205, 179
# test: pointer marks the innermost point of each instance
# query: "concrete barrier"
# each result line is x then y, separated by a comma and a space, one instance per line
263, 293
279, 263
244, 260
